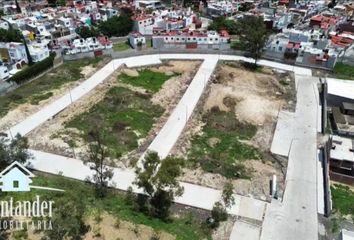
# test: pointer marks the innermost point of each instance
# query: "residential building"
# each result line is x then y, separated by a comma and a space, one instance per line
137, 40
341, 161
190, 39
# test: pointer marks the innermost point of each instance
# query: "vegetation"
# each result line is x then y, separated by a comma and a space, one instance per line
158, 179
344, 71
222, 23
98, 163
13, 150
33, 70
147, 79
117, 26
253, 36
121, 46
220, 148
123, 116
343, 199
86, 32
80, 201
11, 35
39, 89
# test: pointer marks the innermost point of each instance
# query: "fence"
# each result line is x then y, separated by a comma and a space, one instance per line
341, 178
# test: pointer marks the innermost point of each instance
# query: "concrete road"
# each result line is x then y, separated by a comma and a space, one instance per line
295, 217
194, 195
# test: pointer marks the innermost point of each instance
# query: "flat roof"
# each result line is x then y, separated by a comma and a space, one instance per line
347, 235
342, 149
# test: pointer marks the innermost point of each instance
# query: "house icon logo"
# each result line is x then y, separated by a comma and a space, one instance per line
17, 178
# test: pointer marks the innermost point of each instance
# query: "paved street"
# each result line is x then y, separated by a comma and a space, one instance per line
194, 195
295, 217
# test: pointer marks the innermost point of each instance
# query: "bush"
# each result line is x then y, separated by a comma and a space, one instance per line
290, 55
33, 70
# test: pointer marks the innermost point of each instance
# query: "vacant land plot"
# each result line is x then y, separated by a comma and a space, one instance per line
128, 115
123, 116
29, 97
147, 79
230, 134
343, 199
114, 215
344, 71
121, 46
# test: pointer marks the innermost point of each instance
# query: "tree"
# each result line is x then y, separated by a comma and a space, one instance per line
227, 195
98, 154
254, 36
18, 9
14, 150
67, 220
86, 32
222, 23
29, 57
158, 179
117, 26
10, 35
218, 214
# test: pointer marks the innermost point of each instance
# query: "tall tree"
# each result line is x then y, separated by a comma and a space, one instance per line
253, 36
18, 8
13, 150
227, 195
158, 179
29, 57
97, 159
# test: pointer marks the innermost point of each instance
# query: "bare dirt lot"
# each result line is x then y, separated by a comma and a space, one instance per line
53, 137
255, 98
24, 110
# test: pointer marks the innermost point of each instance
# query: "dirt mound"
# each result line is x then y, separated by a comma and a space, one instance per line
130, 72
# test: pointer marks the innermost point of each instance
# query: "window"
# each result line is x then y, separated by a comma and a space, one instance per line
15, 184
280, 48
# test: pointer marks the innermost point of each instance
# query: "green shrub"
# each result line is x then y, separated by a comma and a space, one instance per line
33, 70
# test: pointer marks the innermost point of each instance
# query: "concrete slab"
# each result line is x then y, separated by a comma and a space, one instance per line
245, 231
283, 134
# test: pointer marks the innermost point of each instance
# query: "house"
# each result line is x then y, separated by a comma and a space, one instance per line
39, 50
148, 4
16, 178
190, 39
342, 119
137, 40
346, 235
4, 72
13, 52
143, 24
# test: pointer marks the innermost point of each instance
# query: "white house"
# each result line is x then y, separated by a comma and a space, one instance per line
16, 178
143, 24
39, 51
136, 39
